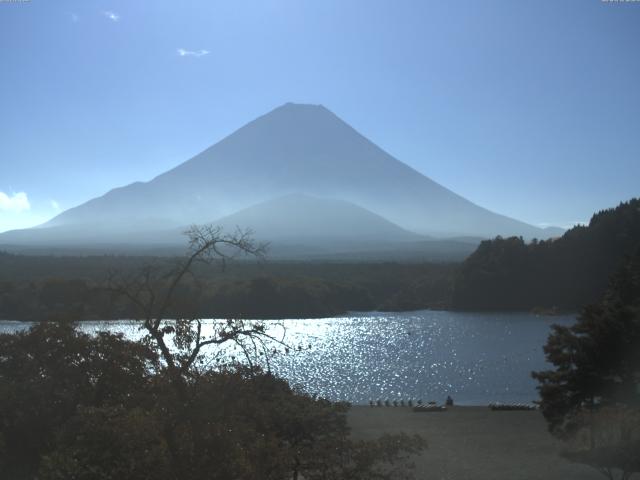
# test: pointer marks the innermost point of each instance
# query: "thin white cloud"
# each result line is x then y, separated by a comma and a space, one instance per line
18, 202
112, 16
55, 205
192, 53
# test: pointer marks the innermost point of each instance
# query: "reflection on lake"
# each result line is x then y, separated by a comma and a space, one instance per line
477, 358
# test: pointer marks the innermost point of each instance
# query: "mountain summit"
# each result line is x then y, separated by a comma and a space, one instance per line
294, 149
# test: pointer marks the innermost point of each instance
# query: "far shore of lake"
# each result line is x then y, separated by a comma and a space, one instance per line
539, 312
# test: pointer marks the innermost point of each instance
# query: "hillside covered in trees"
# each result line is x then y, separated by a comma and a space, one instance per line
49, 287
560, 274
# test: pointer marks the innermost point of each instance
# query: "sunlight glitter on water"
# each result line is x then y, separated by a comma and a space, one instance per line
477, 358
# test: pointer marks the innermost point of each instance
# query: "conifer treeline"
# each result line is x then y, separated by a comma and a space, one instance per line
564, 273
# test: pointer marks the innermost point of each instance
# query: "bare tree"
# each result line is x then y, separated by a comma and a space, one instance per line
153, 292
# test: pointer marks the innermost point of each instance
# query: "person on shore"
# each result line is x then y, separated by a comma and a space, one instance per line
449, 401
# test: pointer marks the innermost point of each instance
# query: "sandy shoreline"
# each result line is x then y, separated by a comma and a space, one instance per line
475, 443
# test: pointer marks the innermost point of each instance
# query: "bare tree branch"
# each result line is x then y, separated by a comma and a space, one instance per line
153, 293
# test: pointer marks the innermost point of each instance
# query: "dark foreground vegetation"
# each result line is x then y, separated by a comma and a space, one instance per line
48, 287
79, 407
74, 406
592, 397
561, 274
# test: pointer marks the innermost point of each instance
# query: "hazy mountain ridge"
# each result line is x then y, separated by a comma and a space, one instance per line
296, 226
304, 217
294, 149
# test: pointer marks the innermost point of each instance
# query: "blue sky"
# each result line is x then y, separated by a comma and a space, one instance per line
528, 108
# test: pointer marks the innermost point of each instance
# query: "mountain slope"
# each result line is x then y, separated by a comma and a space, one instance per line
297, 226
299, 217
295, 149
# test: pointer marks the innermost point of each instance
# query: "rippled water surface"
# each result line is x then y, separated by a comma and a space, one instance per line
476, 358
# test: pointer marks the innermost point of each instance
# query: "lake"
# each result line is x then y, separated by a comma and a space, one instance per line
477, 358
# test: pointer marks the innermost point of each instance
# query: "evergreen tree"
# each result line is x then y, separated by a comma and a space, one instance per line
594, 390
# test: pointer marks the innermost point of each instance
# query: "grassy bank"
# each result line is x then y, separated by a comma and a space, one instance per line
475, 443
